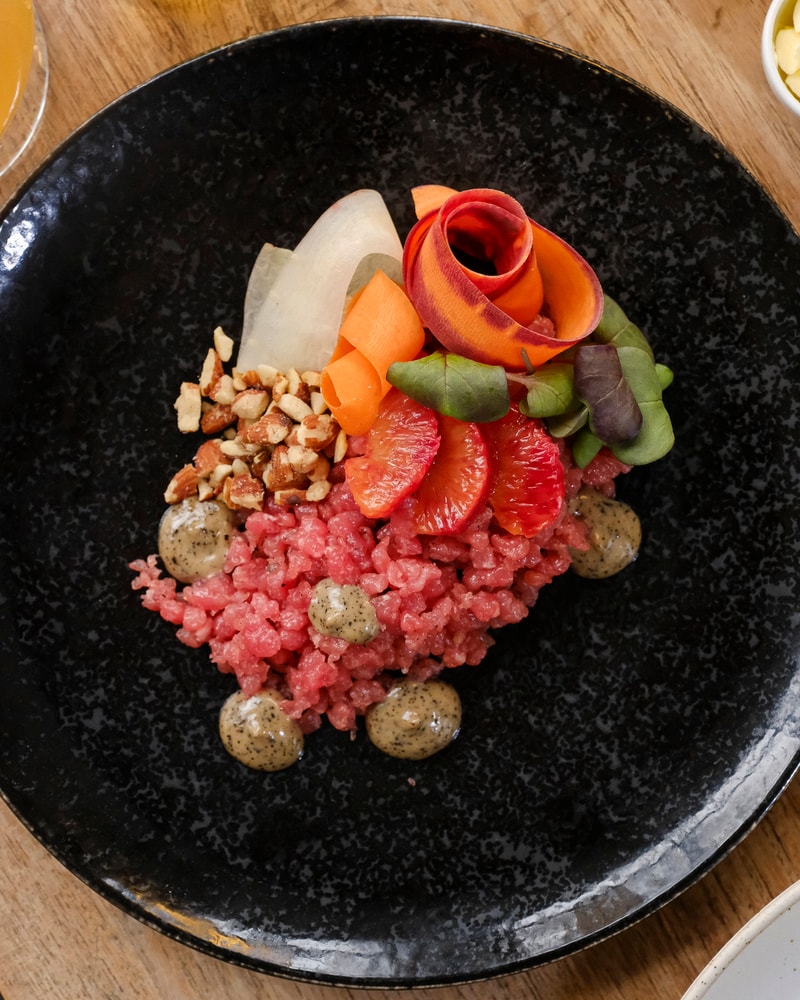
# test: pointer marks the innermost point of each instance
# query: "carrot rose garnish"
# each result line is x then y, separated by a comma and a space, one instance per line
493, 285
381, 327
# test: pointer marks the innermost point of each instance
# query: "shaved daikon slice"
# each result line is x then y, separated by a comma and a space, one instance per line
293, 313
269, 264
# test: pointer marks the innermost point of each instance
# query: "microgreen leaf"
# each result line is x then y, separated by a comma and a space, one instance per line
550, 391
567, 423
585, 446
600, 382
640, 373
615, 328
656, 437
453, 385
665, 376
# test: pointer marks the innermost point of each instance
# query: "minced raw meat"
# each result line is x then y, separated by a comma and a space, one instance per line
437, 598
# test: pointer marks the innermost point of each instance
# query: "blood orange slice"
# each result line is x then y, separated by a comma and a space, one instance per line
456, 485
400, 447
529, 487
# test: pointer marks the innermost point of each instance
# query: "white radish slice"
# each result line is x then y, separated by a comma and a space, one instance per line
294, 301
269, 264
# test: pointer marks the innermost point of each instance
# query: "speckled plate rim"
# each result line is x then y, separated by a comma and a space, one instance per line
197, 934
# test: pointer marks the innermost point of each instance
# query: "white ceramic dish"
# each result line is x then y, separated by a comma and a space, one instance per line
779, 15
761, 961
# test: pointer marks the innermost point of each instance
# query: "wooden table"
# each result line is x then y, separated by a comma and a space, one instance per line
58, 938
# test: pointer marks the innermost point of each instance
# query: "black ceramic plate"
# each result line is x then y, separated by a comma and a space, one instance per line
617, 743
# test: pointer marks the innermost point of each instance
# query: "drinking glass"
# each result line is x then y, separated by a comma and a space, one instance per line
23, 78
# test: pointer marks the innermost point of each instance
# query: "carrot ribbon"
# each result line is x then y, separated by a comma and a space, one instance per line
490, 283
380, 327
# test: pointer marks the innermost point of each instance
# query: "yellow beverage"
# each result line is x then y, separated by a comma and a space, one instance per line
16, 52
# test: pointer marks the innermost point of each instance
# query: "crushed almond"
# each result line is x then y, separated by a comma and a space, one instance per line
223, 390
269, 432
223, 344
293, 406
182, 485
211, 372
340, 447
217, 418
318, 491
189, 406
207, 457
251, 403
317, 430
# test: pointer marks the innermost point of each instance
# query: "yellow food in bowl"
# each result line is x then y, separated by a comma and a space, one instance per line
787, 51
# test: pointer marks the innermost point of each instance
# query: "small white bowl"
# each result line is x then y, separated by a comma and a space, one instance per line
761, 960
778, 16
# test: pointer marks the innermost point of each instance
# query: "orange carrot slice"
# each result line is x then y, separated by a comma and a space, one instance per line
381, 326
430, 197
540, 296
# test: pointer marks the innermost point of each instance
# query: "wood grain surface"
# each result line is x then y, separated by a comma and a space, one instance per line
61, 940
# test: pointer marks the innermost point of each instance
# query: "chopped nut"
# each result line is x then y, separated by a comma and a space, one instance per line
207, 457
233, 449
296, 386
243, 491
188, 406
270, 429
263, 376
250, 404
294, 407
301, 459
223, 344
289, 497
317, 431
340, 447
267, 374
211, 372
217, 418
220, 473
223, 390
279, 474
318, 491
293, 381
317, 403
279, 386
182, 485
259, 463
320, 470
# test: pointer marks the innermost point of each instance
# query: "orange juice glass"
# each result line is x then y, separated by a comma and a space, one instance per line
23, 77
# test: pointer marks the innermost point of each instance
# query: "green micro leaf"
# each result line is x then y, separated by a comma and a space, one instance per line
585, 446
453, 385
665, 376
656, 437
551, 391
615, 328
568, 423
